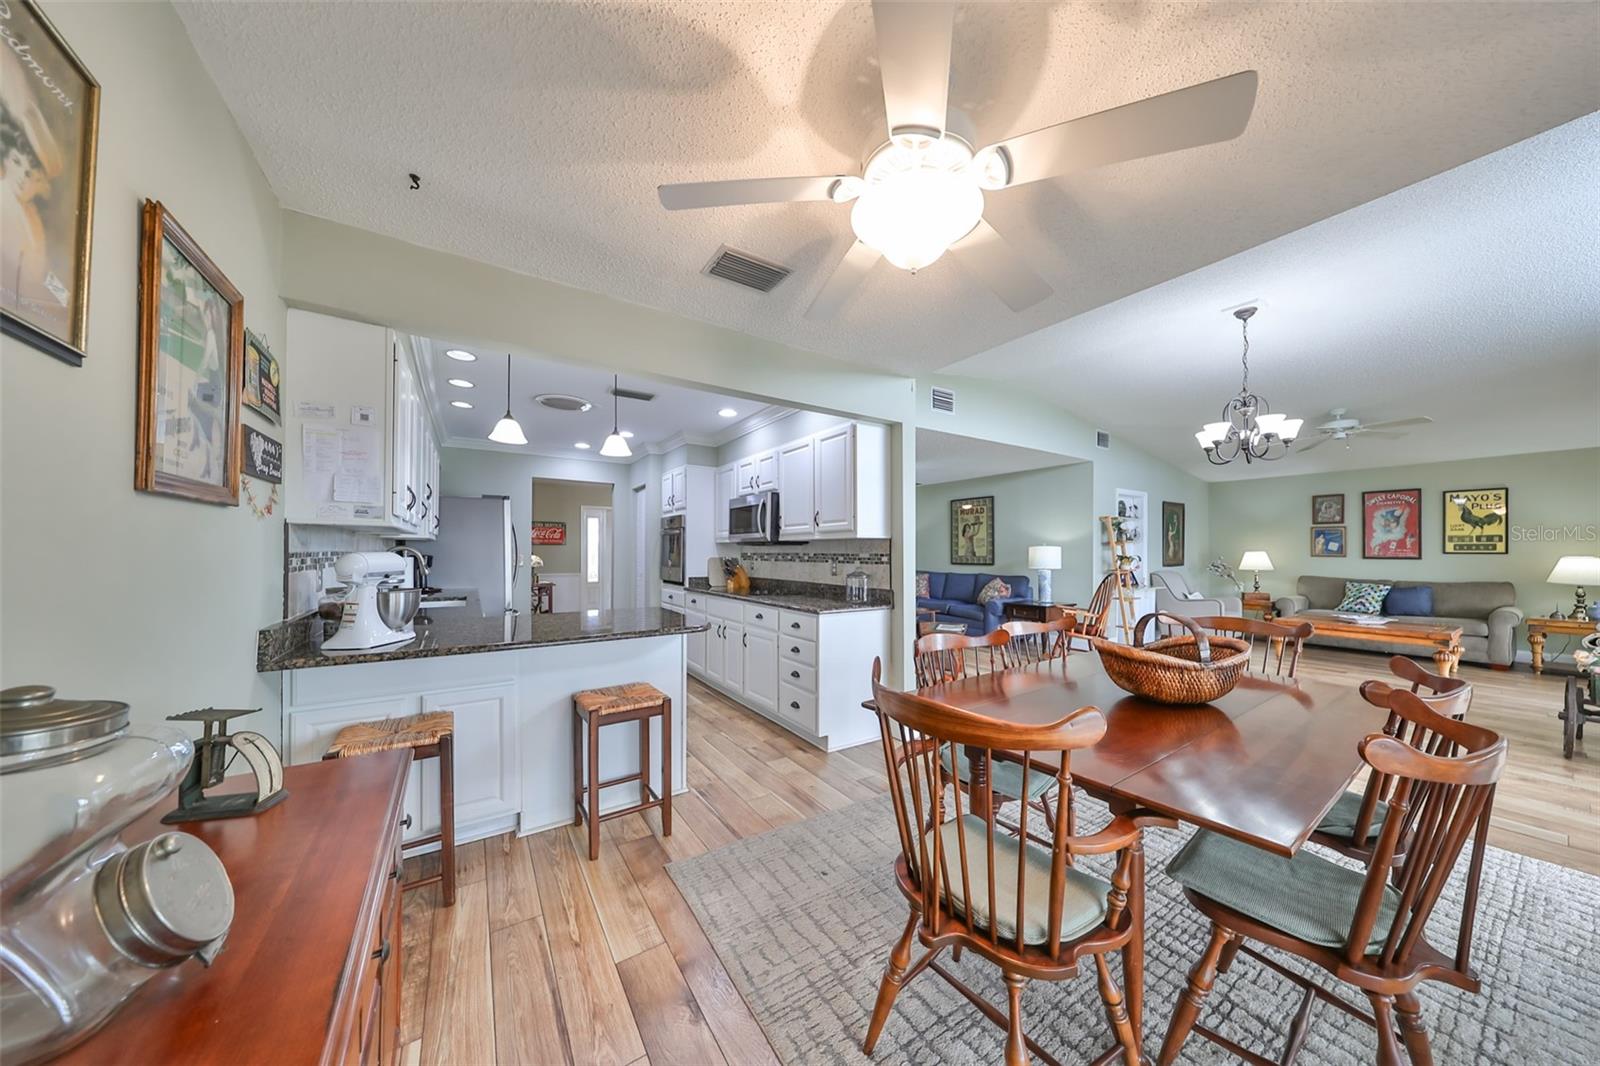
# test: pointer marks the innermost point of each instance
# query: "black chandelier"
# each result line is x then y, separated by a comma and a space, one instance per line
1248, 429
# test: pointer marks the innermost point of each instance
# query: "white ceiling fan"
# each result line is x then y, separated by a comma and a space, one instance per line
1338, 427
921, 192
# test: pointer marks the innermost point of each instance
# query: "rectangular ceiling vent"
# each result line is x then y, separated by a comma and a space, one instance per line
943, 400
1102, 439
742, 268
632, 394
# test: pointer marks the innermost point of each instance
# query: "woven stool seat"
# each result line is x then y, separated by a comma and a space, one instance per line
392, 734
618, 699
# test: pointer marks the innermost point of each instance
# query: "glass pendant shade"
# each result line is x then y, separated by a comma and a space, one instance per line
616, 446
508, 430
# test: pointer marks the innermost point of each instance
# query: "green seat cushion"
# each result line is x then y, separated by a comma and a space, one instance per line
1341, 821
1306, 896
1083, 898
1004, 775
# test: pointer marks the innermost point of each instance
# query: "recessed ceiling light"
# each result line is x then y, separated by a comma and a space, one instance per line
464, 405
728, 412
461, 383
582, 444
628, 433
460, 356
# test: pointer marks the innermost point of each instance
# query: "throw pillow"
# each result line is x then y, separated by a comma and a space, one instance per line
994, 590
1363, 597
1416, 601
1191, 596
922, 586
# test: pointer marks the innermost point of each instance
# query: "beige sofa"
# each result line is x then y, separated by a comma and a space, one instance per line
1486, 611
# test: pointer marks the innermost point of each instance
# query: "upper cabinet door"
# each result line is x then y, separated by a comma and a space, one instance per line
720, 496
403, 498
766, 472
680, 489
796, 515
834, 479
744, 476
666, 493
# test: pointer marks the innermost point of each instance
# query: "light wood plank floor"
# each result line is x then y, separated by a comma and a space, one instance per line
548, 958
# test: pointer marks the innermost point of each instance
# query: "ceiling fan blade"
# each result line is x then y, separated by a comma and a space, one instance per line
1367, 431
1420, 420
1207, 113
1314, 444
843, 281
693, 194
914, 61
988, 255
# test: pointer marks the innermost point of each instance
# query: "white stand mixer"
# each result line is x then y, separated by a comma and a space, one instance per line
377, 613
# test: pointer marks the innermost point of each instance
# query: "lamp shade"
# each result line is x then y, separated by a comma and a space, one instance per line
534, 560
1255, 561
1576, 570
1044, 557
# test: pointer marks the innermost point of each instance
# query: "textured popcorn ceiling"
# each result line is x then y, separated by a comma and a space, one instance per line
542, 130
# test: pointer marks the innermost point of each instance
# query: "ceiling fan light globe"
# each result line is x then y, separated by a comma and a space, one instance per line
912, 216
992, 168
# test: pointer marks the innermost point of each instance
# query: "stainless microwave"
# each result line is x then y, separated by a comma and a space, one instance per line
753, 519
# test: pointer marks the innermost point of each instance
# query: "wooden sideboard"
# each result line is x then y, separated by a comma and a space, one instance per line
311, 970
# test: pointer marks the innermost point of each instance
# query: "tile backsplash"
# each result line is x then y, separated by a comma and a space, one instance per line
822, 562
307, 550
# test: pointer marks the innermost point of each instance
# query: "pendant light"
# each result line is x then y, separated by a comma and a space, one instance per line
615, 447
508, 430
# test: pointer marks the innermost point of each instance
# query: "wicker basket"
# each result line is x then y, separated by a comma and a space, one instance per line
1195, 668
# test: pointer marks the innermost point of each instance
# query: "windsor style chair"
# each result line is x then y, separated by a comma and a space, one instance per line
1280, 642
1037, 642
1094, 620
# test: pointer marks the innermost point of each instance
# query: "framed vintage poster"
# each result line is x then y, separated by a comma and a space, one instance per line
1327, 542
1476, 521
191, 365
262, 378
263, 457
1391, 524
549, 532
1327, 509
1171, 533
972, 531
49, 128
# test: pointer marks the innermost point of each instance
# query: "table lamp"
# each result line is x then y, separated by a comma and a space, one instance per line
1044, 558
1258, 562
534, 562
1577, 570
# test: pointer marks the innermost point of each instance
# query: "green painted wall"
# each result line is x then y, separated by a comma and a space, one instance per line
564, 501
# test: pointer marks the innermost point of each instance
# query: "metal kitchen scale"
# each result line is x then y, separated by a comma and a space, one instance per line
211, 761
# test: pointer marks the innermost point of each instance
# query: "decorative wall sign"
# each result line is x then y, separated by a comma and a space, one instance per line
191, 363
1172, 532
972, 531
262, 378
549, 532
1328, 509
1391, 524
263, 456
1327, 542
1476, 521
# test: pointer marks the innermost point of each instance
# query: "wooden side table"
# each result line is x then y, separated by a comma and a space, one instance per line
1259, 601
1027, 611
1540, 628
544, 597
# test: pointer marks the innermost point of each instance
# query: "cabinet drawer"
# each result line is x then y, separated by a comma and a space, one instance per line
797, 649
761, 616
797, 707
673, 597
795, 624
798, 674
725, 609
695, 601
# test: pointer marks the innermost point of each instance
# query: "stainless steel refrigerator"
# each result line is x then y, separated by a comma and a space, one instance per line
477, 548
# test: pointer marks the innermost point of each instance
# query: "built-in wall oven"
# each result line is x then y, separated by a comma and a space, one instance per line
672, 549
754, 519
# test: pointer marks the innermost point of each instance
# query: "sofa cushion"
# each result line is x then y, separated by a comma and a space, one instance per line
936, 584
1363, 597
969, 611
962, 587
1453, 599
924, 583
995, 589
928, 603
1413, 600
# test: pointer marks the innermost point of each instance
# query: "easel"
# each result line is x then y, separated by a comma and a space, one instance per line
1119, 552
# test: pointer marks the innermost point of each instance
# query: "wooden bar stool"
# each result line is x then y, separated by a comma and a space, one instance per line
429, 736
635, 701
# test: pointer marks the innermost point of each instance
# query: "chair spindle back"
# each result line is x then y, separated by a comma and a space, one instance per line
943, 656
1280, 642
1036, 642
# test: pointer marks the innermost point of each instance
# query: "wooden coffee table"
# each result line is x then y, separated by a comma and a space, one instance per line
1540, 628
1444, 640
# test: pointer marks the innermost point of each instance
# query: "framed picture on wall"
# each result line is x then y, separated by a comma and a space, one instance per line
1172, 531
972, 531
1327, 509
262, 377
549, 532
1327, 542
1476, 520
1391, 524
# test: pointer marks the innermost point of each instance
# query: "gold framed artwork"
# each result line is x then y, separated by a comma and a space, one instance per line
191, 362
1327, 542
1476, 521
49, 131
972, 531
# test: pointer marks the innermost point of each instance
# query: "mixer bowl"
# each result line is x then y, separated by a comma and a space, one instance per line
397, 606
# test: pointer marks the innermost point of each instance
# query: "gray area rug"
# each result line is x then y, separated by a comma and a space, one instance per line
803, 918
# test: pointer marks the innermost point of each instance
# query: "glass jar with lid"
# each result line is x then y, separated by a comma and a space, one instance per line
855, 586
87, 920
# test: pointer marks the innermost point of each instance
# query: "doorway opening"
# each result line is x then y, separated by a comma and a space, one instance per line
560, 526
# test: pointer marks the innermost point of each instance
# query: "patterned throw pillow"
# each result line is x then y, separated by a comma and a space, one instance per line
922, 586
1363, 597
994, 590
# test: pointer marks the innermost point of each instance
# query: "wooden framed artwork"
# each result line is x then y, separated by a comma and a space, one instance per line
262, 378
1476, 521
1328, 509
191, 366
1327, 542
49, 130
1172, 533
972, 531
1391, 524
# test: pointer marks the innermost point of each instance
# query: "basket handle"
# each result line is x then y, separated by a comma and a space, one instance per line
1202, 644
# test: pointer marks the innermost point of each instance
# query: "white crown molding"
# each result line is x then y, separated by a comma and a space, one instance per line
478, 445
749, 424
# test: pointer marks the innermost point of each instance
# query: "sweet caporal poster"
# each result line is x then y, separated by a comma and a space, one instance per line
1391, 524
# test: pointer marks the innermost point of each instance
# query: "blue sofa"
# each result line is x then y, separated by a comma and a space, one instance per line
955, 597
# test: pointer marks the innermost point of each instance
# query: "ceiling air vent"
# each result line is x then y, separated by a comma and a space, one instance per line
745, 269
1102, 439
632, 394
558, 401
944, 400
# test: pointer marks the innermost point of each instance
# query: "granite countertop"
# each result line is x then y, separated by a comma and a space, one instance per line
799, 596
296, 644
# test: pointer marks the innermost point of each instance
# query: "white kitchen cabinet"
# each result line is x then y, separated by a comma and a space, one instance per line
666, 494
760, 674
733, 672
722, 492
834, 479
756, 473
796, 515
696, 653
715, 670
833, 484
675, 491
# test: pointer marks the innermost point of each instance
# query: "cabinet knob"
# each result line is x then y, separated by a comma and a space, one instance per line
794, 673
794, 625
794, 650
794, 704
382, 954
816, 518
405, 823
759, 615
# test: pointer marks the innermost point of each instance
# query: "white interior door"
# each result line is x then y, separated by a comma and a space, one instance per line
595, 546
641, 550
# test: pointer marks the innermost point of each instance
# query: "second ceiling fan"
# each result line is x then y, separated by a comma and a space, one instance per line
921, 193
